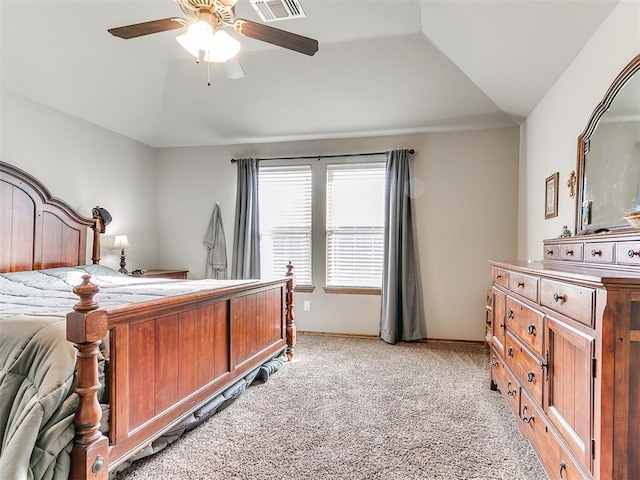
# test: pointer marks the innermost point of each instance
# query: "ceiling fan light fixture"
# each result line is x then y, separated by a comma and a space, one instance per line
200, 34
224, 47
216, 46
188, 44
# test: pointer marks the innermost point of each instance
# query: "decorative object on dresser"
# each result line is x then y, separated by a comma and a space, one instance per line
551, 195
565, 232
565, 344
121, 242
633, 219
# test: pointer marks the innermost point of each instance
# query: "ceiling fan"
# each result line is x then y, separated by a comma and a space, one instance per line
205, 37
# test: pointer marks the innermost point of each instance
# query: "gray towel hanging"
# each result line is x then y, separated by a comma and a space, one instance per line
216, 247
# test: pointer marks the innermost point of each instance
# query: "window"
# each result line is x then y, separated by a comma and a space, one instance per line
326, 216
285, 226
355, 224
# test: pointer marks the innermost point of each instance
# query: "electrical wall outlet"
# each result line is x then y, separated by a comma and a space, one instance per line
306, 305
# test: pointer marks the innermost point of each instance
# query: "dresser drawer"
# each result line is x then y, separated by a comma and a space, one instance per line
628, 253
598, 252
500, 277
506, 381
571, 252
551, 252
526, 368
511, 391
554, 458
526, 323
570, 300
524, 285
498, 369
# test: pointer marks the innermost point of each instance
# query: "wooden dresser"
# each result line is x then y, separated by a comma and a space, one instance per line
565, 353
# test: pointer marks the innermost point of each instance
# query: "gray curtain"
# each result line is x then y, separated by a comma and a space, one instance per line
216, 245
245, 262
402, 315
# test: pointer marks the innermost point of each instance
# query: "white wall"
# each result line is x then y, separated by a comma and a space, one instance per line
162, 199
548, 138
85, 166
466, 215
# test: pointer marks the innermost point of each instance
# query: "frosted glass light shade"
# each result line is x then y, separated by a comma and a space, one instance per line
200, 34
216, 47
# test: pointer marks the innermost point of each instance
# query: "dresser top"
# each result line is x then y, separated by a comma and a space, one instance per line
572, 271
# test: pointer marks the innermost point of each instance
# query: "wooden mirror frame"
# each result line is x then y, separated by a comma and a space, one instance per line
624, 76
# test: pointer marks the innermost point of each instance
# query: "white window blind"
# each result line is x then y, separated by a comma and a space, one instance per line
355, 224
285, 220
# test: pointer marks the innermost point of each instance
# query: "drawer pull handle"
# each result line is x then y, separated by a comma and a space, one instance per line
526, 419
632, 253
544, 365
596, 253
498, 276
558, 297
531, 329
568, 252
510, 352
511, 393
549, 252
510, 313
502, 325
530, 377
520, 284
563, 468
494, 362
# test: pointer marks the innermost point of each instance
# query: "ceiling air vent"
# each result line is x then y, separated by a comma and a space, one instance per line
273, 10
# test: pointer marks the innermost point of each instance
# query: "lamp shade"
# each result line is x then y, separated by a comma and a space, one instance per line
121, 242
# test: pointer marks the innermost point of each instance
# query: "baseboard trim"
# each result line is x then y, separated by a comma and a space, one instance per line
373, 337
335, 334
450, 340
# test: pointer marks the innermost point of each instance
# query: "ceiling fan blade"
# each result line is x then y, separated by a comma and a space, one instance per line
275, 36
147, 28
232, 69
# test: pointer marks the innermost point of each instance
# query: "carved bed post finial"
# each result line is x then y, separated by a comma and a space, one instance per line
98, 228
86, 326
290, 318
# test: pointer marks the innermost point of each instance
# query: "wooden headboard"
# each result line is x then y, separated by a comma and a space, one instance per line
39, 231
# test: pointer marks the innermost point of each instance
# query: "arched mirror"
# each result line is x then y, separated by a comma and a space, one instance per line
609, 158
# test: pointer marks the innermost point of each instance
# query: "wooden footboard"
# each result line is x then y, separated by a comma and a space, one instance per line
168, 358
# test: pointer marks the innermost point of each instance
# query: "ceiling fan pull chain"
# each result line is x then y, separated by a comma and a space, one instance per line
208, 75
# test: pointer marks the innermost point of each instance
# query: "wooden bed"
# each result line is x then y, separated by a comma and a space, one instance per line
168, 357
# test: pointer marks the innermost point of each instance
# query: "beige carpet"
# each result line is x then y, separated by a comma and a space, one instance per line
356, 409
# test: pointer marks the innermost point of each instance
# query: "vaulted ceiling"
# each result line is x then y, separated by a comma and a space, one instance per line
383, 67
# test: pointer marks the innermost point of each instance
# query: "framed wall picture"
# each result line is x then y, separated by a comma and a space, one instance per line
551, 196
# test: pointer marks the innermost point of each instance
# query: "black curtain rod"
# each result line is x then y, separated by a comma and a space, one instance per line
411, 151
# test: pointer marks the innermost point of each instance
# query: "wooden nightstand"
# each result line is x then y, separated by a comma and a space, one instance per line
174, 274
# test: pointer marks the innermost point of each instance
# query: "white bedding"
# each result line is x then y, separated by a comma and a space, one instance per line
49, 292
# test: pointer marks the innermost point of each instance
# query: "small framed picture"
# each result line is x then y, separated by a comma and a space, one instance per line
551, 196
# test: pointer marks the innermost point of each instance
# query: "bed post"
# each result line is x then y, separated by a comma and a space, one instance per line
86, 327
291, 326
98, 228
